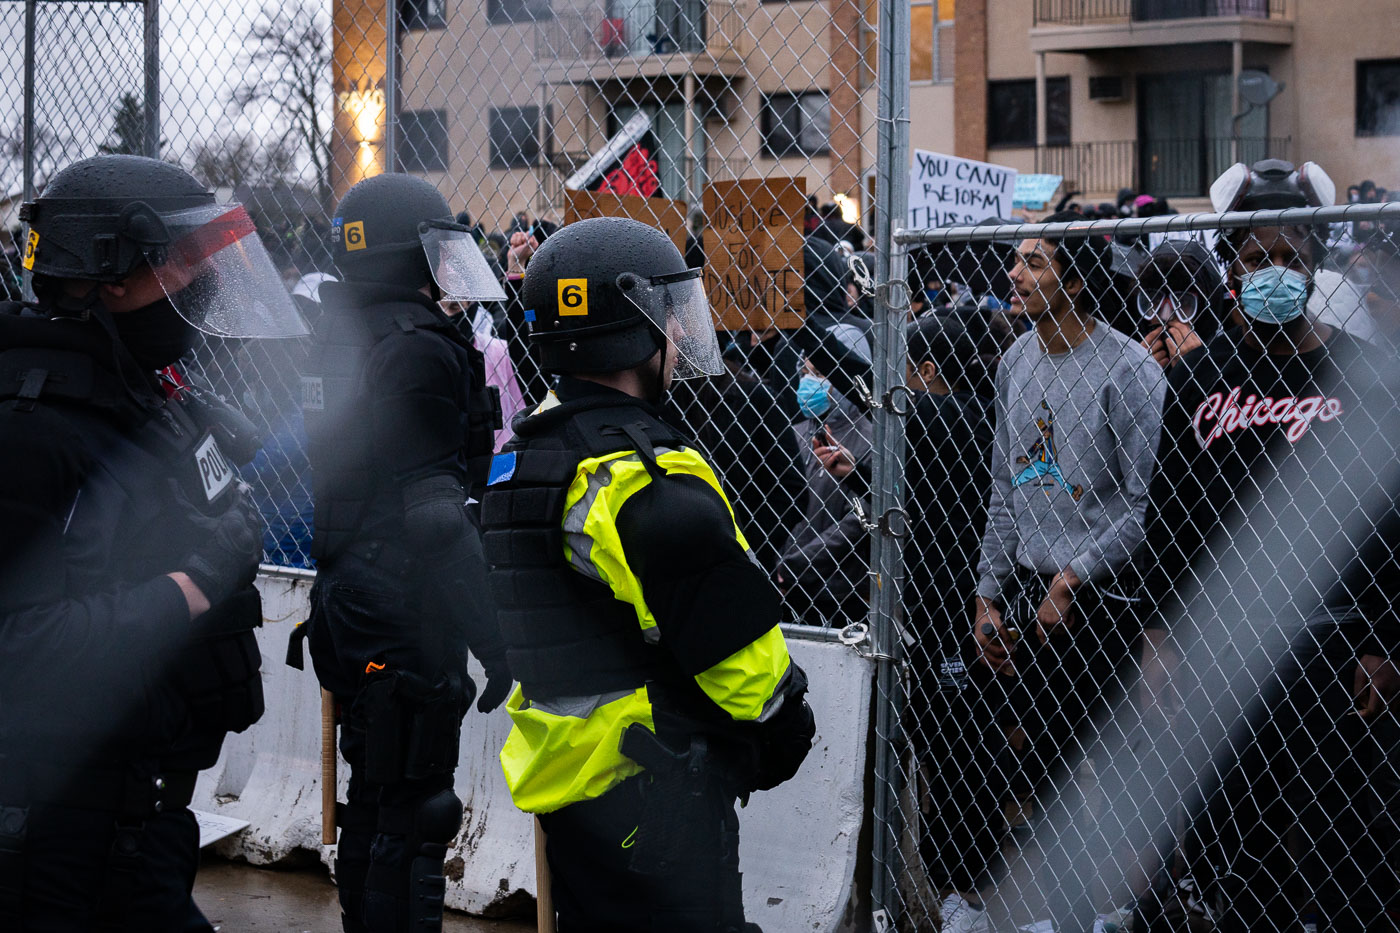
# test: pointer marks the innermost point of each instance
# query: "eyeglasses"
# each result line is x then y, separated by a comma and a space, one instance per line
1166, 306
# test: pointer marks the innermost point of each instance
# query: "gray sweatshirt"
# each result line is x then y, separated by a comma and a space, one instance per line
1072, 458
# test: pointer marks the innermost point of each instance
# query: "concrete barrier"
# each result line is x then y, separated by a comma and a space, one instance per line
799, 844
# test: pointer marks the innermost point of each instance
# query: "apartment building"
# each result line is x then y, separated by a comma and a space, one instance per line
501, 100
1144, 93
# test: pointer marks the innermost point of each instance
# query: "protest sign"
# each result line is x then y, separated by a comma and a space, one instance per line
662, 213
1034, 192
945, 190
753, 252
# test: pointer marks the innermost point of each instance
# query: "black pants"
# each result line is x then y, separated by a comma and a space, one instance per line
373, 867
362, 612
69, 882
1305, 820
598, 889
1059, 698
957, 710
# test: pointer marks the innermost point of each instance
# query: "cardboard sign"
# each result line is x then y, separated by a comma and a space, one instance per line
1033, 192
753, 252
213, 827
662, 213
945, 190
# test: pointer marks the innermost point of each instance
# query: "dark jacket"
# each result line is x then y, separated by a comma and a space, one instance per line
393, 449
1216, 458
100, 499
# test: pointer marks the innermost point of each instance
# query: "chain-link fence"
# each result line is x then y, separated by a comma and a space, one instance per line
1195, 517
1148, 616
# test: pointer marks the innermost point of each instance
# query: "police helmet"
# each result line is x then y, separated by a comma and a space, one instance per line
113, 217
603, 294
97, 219
397, 229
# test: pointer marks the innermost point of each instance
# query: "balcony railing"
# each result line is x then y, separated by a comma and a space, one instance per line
1081, 12
1173, 168
637, 29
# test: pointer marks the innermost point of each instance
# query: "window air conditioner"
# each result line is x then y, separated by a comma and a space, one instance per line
1108, 89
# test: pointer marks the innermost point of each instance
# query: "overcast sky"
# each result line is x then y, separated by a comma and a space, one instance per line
89, 54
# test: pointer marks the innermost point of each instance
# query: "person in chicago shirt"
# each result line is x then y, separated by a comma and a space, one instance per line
1290, 815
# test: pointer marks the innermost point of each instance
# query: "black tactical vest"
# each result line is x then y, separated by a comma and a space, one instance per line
566, 635
348, 471
125, 525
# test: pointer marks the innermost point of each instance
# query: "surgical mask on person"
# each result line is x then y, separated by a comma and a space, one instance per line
1274, 295
813, 396
931, 295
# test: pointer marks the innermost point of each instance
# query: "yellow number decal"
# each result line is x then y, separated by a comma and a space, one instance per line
573, 297
354, 236
30, 248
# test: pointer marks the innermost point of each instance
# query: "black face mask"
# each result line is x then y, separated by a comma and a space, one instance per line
155, 335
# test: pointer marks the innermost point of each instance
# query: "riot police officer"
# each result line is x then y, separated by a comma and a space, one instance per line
127, 607
400, 426
655, 684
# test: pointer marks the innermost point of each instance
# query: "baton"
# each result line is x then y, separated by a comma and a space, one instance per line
544, 885
328, 764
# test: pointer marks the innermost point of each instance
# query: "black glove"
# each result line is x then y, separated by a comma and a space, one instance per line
229, 550
785, 740
498, 685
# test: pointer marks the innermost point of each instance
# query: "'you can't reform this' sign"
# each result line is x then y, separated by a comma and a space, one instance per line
946, 190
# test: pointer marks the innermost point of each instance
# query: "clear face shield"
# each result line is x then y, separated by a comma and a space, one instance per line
458, 265
219, 277
678, 305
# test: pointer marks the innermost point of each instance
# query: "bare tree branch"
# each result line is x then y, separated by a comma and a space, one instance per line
291, 66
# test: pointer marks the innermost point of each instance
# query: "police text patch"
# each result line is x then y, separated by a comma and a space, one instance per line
214, 471
313, 393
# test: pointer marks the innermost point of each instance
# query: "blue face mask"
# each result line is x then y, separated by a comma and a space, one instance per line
931, 295
1274, 295
813, 396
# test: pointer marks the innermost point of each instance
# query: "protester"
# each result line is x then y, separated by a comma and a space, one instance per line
1292, 776
1180, 298
822, 571
1078, 413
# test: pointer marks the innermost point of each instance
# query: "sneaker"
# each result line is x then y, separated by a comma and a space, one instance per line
1040, 926
961, 916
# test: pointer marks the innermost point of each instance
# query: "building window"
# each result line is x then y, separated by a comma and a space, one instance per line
423, 14
515, 140
796, 124
1378, 98
930, 44
1011, 113
422, 143
517, 11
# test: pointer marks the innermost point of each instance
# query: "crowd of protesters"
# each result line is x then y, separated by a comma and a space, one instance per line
1087, 414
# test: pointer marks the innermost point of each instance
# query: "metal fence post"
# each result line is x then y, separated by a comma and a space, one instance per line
391, 85
30, 16
151, 111
886, 550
